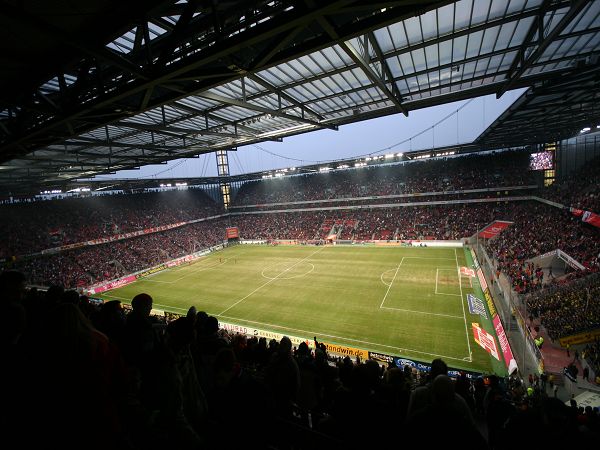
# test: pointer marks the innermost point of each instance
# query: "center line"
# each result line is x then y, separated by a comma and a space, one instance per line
391, 282
269, 282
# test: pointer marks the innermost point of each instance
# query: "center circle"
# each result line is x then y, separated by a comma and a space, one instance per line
387, 275
286, 271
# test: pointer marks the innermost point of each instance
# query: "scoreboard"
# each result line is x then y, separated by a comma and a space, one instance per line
232, 233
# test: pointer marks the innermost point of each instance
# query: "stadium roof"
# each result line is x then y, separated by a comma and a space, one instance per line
549, 112
115, 85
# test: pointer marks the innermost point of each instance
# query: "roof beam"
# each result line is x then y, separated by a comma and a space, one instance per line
171, 130
576, 7
384, 65
364, 65
231, 101
537, 26
283, 94
90, 143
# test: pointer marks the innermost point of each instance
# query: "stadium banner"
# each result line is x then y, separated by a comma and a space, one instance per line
284, 242
392, 205
118, 237
494, 229
475, 260
232, 233
50, 251
485, 340
150, 271
252, 241
401, 362
112, 285
390, 243
467, 271
476, 305
392, 196
347, 351
381, 357
481, 278
422, 367
115, 237
434, 243
503, 340
581, 338
257, 332
183, 259
586, 216
490, 302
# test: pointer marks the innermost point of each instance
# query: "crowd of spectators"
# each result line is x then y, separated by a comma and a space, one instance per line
422, 222
438, 175
136, 381
539, 228
97, 263
579, 190
416, 197
30, 227
567, 309
591, 353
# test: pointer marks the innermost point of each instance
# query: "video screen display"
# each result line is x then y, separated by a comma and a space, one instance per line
540, 161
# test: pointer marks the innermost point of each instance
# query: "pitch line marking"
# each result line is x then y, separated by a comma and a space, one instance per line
313, 333
391, 282
288, 278
382, 274
201, 269
193, 272
468, 359
421, 312
268, 282
462, 303
425, 257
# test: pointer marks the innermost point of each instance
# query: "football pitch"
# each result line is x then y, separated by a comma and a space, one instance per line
403, 301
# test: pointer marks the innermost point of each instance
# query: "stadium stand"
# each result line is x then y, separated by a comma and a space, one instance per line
30, 227
147, 382
470, 172
568, 309
114, 85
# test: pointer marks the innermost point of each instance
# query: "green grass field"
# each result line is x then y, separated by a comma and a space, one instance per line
408, 302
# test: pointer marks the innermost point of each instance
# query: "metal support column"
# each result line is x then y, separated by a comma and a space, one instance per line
223, 173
